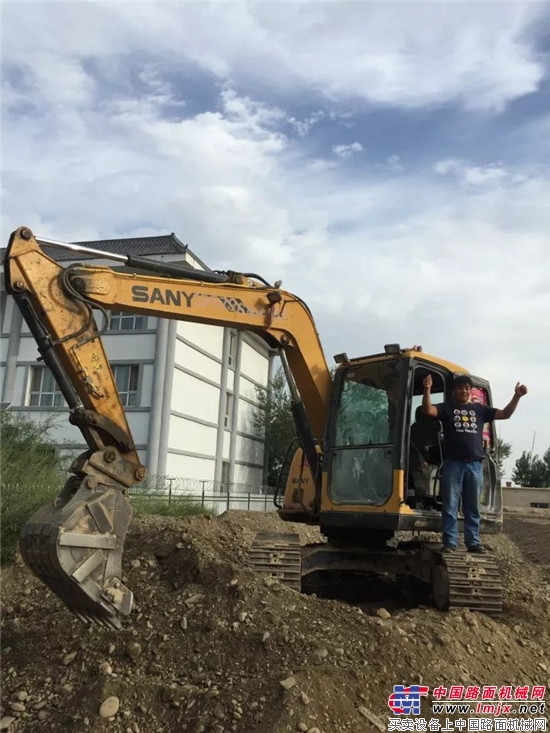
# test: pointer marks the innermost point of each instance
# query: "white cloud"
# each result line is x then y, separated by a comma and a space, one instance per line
347, 151
206, 177
393, 163
305, 125
472, 175
462, 268
253, 115
426, 54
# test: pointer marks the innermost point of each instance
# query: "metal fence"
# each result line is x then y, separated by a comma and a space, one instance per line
218, 496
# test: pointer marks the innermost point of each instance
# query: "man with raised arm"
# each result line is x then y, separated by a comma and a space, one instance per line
462, 472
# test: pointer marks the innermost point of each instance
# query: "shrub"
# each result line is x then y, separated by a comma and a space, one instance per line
31, 475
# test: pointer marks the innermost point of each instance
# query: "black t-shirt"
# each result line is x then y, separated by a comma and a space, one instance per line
463, 429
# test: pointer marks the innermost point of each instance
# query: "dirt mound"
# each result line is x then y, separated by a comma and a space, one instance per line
212, 646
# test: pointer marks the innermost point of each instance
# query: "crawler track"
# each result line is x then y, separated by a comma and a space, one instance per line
464, 580
278, 555
458, 580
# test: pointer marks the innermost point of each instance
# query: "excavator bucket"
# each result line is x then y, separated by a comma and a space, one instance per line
75, 547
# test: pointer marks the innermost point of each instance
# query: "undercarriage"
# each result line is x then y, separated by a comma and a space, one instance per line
451, 580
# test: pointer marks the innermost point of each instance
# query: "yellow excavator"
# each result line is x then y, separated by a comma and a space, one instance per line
366, 467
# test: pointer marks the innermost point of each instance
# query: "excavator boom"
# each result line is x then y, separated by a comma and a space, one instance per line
75, 545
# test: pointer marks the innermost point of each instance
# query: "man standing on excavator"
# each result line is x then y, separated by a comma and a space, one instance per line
462, 471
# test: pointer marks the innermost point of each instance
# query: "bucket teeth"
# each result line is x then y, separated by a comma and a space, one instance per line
76, 550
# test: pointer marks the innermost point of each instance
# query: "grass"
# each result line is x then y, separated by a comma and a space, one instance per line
153, 496
180, 507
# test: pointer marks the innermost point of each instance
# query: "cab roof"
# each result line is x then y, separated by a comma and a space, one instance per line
412, 353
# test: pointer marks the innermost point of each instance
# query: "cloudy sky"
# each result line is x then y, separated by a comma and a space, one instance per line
388, 161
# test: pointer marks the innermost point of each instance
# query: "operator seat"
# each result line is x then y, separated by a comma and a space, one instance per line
425, 451
425, 437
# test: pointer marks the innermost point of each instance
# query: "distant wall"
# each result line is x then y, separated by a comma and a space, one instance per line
524, 497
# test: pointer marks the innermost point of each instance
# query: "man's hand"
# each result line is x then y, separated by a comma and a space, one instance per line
520, 390
427, 407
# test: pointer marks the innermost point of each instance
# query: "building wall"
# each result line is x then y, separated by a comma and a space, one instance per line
202, 436
524, 497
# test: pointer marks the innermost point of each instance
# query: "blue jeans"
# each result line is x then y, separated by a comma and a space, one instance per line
461, 479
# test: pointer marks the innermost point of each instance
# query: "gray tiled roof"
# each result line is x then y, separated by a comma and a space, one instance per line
165, 244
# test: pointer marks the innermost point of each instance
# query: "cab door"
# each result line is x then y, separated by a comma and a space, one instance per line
491, 498
364, 432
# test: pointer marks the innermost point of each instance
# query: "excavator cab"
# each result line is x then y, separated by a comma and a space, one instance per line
380, 478
382, 455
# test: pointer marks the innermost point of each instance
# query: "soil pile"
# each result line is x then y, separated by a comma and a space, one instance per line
214, 647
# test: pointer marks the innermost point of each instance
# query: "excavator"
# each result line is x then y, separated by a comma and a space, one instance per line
366, 469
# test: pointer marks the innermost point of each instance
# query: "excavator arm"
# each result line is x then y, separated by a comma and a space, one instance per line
75, 546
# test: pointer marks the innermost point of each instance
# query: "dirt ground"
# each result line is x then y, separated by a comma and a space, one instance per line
531, 533
214, 647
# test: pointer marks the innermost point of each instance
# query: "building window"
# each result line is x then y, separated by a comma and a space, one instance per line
224, 486
127, 379
44, 391
126, 322
232, 348
228, 410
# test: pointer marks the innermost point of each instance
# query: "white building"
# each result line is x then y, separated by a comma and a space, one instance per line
189, 390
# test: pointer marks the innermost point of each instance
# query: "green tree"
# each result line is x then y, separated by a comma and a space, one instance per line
546, 461
531, 470
274, 421
522, 469
504, 451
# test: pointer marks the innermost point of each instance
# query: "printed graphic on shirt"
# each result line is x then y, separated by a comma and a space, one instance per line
465, 421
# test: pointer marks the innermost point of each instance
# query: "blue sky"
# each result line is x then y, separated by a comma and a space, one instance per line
388, 161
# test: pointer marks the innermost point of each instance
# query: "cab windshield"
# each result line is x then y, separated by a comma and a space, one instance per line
365, 433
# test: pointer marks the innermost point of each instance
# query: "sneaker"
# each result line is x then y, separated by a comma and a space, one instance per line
476, 548
448, 548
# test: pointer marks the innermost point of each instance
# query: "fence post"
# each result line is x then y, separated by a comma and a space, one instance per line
265, 502
248, 504
227, 497
202, 494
